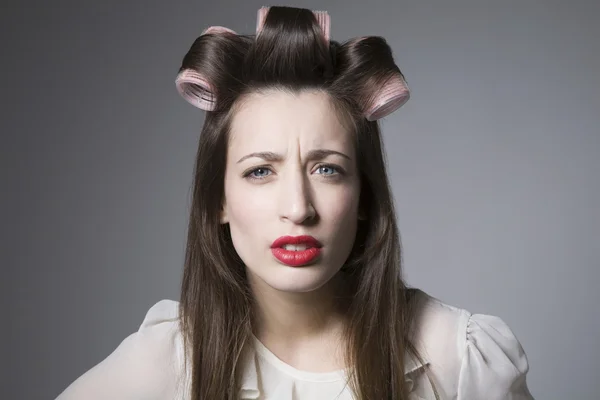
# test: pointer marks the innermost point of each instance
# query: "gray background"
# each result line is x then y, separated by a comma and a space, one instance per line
494, 164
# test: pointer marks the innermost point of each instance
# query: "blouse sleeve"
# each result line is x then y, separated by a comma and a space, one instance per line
494, 365
143, 366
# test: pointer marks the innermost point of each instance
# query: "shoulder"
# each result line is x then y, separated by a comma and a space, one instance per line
146, 365
160, 320
159, 337
469, 355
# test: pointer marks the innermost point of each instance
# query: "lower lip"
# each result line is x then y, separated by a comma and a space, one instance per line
296, 258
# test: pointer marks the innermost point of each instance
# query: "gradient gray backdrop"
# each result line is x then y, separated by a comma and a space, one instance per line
494, 164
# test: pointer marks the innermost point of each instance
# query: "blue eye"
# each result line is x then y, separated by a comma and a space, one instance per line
327, 170
259, 173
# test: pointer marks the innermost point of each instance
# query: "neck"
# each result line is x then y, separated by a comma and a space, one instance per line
297, 317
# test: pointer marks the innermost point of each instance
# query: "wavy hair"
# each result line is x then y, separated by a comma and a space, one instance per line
216, 305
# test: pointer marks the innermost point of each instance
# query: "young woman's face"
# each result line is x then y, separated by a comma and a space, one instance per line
291, 171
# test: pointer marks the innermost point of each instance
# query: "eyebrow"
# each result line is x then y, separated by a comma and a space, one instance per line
312, 155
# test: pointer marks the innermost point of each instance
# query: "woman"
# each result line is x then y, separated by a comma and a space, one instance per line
292, 286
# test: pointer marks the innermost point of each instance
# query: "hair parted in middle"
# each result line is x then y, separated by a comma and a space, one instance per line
292, 51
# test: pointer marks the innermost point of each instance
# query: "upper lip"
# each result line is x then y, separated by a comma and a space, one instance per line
303, 239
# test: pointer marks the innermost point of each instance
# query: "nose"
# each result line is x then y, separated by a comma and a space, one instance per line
295, 199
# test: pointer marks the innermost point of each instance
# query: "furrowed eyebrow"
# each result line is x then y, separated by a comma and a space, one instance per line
312, 155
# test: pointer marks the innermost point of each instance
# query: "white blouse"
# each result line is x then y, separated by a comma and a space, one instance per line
468, 357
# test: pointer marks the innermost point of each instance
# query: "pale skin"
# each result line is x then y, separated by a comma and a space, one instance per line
291, 170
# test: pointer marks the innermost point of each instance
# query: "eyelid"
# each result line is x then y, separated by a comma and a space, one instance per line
338, 168
247, 173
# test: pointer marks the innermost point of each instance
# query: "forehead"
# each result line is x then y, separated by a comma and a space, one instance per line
276, 117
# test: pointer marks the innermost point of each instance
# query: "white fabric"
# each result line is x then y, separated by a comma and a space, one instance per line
468, 357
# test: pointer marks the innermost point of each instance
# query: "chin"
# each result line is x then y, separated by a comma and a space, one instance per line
296, 279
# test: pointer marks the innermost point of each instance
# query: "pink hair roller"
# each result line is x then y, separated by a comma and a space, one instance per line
193, 86
391, 97
196, 90
218, 30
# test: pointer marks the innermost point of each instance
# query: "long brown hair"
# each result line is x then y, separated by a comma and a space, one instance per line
216, 305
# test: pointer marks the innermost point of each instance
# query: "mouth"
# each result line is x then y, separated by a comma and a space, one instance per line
298, 241
296, 251
296, 247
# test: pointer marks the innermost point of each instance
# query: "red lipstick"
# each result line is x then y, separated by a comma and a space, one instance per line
308, 249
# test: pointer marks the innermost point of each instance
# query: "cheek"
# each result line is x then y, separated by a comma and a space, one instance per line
246, 204
340, 206
340, 220
248, 215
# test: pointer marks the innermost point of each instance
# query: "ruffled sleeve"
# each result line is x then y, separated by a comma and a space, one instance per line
146, 365
494, 365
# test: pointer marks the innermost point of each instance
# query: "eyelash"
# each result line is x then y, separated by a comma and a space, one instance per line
339, 171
